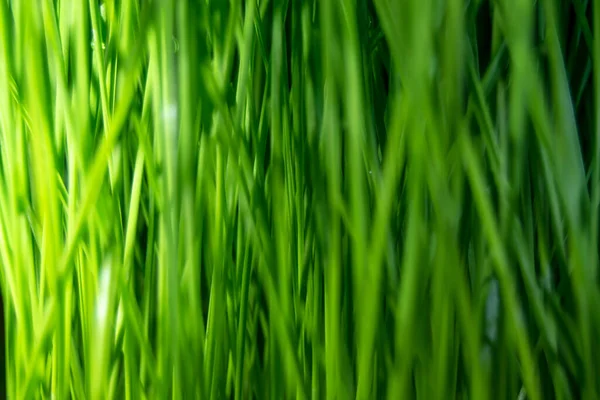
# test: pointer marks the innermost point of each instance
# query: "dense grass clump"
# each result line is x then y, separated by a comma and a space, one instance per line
326, 199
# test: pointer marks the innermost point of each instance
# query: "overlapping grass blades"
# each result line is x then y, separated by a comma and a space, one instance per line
300, 199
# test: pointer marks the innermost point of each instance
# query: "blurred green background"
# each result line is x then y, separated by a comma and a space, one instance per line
325, 199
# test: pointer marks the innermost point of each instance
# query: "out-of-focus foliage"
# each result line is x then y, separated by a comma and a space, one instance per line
300, 199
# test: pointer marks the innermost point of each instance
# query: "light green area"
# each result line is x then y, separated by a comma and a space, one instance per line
327, 199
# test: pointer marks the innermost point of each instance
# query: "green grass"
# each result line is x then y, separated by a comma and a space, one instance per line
277, 199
